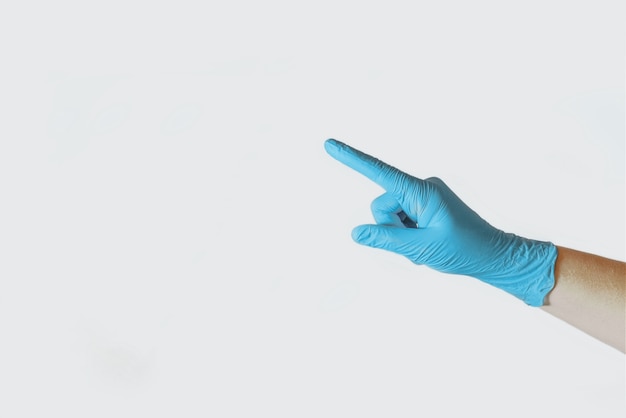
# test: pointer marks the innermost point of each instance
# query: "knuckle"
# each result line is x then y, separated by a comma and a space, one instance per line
435, 180
378, 201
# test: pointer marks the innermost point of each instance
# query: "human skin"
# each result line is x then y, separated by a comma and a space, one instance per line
590, 294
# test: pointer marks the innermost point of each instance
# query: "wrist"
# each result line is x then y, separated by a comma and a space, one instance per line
525, 269
540, 273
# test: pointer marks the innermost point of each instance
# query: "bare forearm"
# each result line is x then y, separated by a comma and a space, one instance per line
590, 294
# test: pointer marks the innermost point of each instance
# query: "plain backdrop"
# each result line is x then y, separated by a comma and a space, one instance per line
175, 242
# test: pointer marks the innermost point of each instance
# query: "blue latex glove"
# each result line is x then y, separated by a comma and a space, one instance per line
426, 222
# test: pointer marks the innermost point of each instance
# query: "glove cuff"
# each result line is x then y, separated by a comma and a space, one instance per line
540, 277
526, 270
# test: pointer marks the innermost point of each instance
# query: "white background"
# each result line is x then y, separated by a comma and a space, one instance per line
174, 241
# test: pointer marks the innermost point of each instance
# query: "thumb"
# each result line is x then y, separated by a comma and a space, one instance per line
399, 240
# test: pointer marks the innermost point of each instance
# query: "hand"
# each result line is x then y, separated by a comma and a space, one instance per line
426, 222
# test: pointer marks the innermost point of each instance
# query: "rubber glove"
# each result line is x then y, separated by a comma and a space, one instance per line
426, 222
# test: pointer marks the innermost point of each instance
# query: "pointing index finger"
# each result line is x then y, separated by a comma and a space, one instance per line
389, 178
